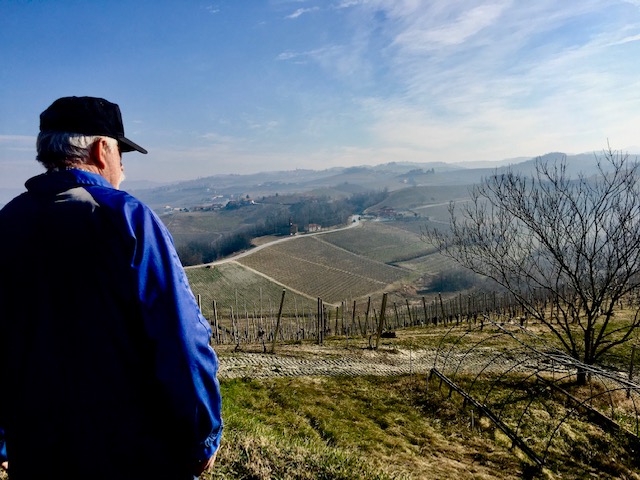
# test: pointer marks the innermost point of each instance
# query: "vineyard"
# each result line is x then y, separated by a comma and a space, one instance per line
415, 197
431, 264
234, 287
323, 277
321, 270
228, 299
381, 241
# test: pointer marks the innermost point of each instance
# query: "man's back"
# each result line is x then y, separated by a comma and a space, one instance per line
82, 337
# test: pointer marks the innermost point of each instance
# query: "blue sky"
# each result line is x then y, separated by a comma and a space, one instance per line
238, 86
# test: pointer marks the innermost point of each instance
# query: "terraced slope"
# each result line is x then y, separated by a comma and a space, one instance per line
234, 286
381, 241
320, 269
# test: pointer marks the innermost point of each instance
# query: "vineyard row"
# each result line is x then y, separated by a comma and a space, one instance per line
232, 324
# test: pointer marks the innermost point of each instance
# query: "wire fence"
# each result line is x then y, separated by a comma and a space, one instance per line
239, 324
512, 377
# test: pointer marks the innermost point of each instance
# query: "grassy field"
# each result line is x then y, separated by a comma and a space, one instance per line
375, 427
349, 428
336, 266
397, 428
384, 428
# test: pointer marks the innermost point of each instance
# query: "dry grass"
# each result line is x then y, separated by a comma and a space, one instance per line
403, 430
356, 428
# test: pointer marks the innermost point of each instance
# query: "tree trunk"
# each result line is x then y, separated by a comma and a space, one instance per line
581, 376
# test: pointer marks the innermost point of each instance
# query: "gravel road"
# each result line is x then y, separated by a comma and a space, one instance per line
323, 362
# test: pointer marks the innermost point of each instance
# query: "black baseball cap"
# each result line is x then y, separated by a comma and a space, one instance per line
88, 116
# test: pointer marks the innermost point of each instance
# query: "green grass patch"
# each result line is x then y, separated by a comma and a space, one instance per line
351, 428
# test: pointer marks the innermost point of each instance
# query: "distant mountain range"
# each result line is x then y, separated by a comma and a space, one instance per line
333, 182
342, 181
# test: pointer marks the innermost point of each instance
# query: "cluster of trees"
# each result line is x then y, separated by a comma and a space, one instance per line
199, 251
449, 281
323, 211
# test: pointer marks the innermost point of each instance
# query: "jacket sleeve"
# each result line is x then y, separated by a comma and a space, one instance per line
3, 447
185, 363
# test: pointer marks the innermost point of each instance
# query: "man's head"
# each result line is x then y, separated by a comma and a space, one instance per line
76, 131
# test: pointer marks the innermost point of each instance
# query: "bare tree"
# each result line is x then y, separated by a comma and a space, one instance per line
567, 249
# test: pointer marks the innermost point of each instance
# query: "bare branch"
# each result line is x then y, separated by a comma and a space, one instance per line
575, 239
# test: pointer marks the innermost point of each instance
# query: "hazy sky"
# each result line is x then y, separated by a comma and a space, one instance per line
237, 86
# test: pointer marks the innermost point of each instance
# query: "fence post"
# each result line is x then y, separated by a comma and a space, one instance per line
234, 328
320, 321
275, 334
366, 317
424, 307
381, 320
395, 309
216, 333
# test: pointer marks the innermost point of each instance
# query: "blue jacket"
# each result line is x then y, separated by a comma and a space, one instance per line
105, 365
3, 447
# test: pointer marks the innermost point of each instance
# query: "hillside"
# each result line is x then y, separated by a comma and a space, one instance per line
385, 242
338, 181
382, 255
336, 266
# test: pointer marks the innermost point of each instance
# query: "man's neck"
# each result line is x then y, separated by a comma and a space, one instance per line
84, 167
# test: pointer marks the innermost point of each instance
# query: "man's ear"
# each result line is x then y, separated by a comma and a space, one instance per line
98, 153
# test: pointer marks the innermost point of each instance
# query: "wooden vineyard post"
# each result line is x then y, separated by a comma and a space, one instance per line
381, 319
353, 317
424, 307
366, 317
247, 334
409, 313
233, 326
345, 328
216, 333
395, 309
275, 333
320, 321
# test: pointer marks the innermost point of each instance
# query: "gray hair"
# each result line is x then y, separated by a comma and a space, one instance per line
63, 149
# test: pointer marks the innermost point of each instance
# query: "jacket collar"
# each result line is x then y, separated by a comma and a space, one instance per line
60, 180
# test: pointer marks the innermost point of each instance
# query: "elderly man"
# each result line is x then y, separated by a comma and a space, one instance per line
105, 363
